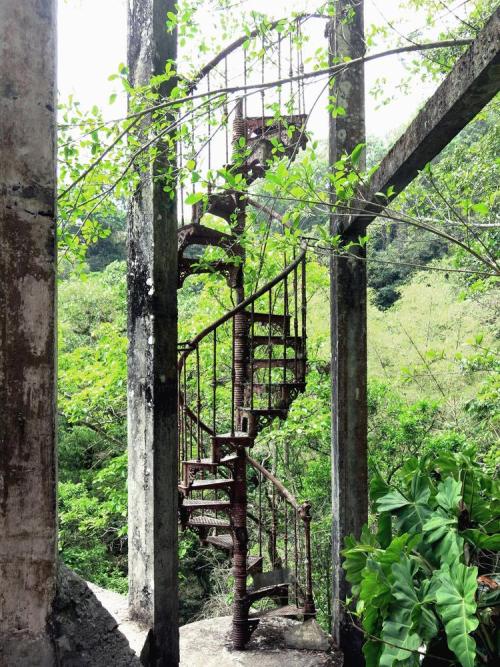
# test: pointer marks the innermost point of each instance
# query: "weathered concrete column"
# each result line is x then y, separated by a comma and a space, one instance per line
27, 330
348, 331
152, 382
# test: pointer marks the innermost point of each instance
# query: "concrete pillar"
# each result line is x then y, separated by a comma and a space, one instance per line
152, 361
27, 330
348, 331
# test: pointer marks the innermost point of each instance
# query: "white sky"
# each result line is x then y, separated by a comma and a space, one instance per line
92, 43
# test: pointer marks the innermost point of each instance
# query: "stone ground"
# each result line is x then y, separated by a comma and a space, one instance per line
207, 643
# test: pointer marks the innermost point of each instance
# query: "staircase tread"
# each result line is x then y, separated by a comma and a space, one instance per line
242, 436
273, 315
276, 590
265, 411
208, 462
289, 360
206, 504
278, 384
265, 589
209, 483
211, 521
276, 319
224, 541
275, 340
286, 610
289, 363
255, 559
203, 462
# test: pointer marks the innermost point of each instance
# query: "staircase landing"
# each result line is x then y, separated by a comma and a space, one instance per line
207, 644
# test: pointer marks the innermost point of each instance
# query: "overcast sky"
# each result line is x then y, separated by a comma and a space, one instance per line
92, 43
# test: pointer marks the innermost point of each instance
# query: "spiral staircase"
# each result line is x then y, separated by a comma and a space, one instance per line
236, 377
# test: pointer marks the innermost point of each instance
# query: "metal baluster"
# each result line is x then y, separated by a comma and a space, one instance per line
180, 443
304, 316
181, 172
226, 112
191, 447
285, 313
262, 94
279, 90
198, 403
252, 351
270, 350
286, 535
305, 513
260, 514
273, 527
209, 143
299, 102
296, 559
245, 80
233, 377
295, 316
214, 384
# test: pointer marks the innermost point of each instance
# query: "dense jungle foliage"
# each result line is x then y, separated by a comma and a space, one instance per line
426, 570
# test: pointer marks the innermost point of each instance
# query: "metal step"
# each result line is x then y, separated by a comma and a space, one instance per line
238, 438
279, 591
208, 522
266, 412
288, 611
203, 484
282, 321
200, 463
289, 341
208, 463
278, 363
188, 267
254, 564
224, 542
260, 388
218, 505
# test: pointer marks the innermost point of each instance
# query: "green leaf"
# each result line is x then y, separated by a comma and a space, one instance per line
401, 642
456, 605
393, 500
356, 154
412, 510
482, 540
379, 488
194, 197
449, 494
441, 531
371, 651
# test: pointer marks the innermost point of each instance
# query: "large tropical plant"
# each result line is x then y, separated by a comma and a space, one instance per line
426, 584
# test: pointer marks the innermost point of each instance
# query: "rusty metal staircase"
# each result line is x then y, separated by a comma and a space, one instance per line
235, 378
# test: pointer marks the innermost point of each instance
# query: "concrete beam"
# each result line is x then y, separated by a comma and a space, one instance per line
152, 361
348, 334
471, 84
28, 532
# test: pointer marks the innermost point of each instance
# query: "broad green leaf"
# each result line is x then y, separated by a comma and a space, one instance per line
391, 501
411, 510
401, 643
379, 488
456, 605
482, 540
449, 494
371, 651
